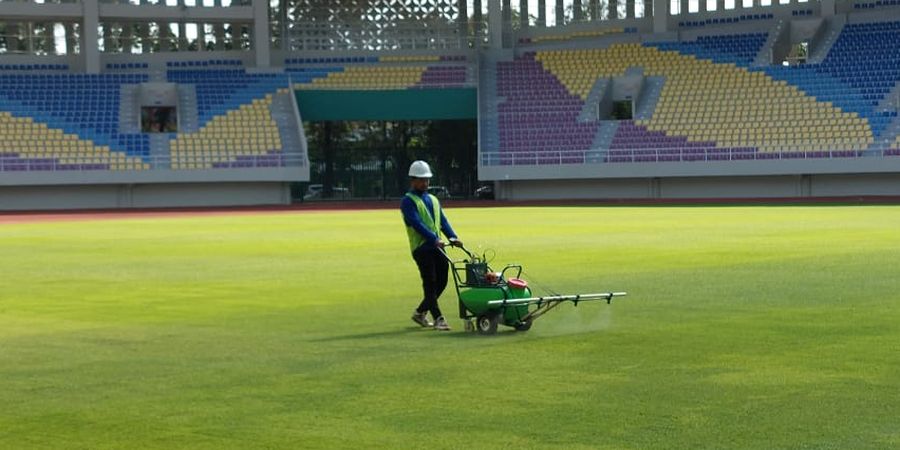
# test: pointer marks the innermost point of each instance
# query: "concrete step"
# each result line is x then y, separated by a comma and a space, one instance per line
293, 142
187, 109
129, 113
159, 149
157, 76
653, 87
489, 101
833, 27
764, 57
891, 101
590, 110
605, 133
888, 136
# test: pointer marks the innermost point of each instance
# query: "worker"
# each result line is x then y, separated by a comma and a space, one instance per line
425, 221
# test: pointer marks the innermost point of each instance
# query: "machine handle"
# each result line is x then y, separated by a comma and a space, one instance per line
465, 250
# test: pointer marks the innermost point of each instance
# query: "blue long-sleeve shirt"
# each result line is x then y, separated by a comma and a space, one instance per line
411, 218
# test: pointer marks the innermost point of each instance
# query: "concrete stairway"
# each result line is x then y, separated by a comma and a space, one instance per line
649, 98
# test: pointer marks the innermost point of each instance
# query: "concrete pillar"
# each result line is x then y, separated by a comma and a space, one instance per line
283, 21
164, 36
478, 19
44, 40
71, 42
523, 14
629, 9
219, 30
827, 8
462, 22
577, 11
29, 38
660, 16
613, 6
495, 24
91, 21
560, 13
261, 35
685, 5
126, 37
12, 41
506, 15
542, 13
146, 42
182, 37
108, 42
593, 10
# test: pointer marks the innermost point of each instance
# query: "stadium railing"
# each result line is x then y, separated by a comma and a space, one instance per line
493, 158
9, 164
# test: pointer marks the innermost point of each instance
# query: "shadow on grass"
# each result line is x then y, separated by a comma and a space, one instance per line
501, 334
378, 334
455, 333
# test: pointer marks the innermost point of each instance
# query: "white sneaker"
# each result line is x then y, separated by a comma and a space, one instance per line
421, 319
441, 325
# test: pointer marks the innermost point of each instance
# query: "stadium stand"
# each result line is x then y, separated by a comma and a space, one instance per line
876, 4
724, 20
713, 105
374, 59
34, 67
236, 125
540, 113
380, 77
223, 90
861, 68
243, 137
29, 146
739, 49
71, 121
82, 105
209, 63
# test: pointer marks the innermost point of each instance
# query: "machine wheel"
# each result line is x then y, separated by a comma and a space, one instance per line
524, 326
487, 323
469, 325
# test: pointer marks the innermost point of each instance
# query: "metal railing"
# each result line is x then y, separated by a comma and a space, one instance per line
516, 158
167, 162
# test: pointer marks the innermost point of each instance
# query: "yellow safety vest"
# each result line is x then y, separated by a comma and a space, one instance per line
415, 239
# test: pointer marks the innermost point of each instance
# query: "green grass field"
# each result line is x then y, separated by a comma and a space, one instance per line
745, 327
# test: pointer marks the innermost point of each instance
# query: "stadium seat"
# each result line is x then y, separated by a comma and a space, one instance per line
711, 107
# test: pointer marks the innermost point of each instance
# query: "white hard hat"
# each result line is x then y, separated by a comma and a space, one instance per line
419, 169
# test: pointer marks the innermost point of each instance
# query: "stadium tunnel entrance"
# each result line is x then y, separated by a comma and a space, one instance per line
361, 142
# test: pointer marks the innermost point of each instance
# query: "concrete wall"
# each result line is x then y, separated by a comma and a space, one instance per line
13, 198
784, 186
805, 29
862, 165
157, 94
627, 87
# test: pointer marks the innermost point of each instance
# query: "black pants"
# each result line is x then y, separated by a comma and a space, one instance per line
433, 268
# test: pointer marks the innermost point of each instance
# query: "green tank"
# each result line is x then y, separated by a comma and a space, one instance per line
475, 300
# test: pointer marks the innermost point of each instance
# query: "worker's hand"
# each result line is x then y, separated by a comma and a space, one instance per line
456, 242
439, 244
